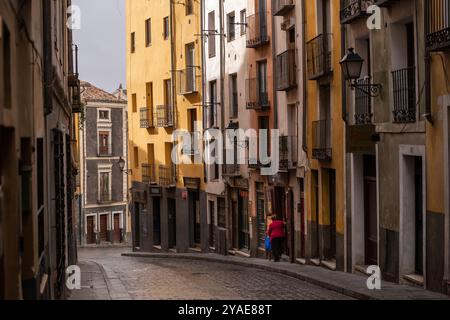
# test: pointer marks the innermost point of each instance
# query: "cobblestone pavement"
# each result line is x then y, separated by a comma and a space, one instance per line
173, 279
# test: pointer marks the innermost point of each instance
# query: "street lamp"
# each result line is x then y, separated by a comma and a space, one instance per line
122, 164
351, 65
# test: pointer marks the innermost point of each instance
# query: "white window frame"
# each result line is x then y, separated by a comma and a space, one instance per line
104, 129
103, 120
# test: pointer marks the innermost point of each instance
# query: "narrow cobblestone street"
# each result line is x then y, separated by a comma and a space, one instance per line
107, 275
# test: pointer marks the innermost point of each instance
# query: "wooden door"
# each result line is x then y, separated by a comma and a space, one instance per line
370, 211
90, 236
117, 232
103, 228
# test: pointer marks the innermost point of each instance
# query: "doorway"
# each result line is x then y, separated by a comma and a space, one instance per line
260, 215
332, 199
194, 213
117, 233
172, 216
212, 241
370, 210
244, 228
156, 221
137, 226
90, 230
104, 228
315, 252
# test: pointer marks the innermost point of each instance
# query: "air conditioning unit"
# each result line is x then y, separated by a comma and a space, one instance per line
287, 23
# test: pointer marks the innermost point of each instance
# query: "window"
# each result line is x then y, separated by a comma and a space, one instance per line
166, 28
189, 7
133, 42
103, 115
263, 97
136, 157
148, 32
213, 103
104, 186
231, 26
134, 102
103, 141
243, 22
5, 66
212, 34
234, 101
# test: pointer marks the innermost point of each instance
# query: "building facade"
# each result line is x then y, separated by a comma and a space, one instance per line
38, 94
168, 196
104, 184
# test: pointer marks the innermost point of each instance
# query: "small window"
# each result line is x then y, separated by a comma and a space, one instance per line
243, 22
133, 42
189, 7
103, 115
166, 28
103, 141
148, 32
134, 102
231, 26
136, 157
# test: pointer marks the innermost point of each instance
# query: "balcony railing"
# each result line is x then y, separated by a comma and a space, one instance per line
354, 9
149, 174
146, 120
288, 153
104, 151
187, 80
164, 117
231, 170
282, 7
166, 176
404, 91
257, 33
363, 104
319, 56
257, 95
437, 18
322, 143
286, 70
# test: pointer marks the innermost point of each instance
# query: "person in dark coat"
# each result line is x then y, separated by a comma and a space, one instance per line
277, 235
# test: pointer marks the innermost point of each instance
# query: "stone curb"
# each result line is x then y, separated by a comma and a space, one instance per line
323, 284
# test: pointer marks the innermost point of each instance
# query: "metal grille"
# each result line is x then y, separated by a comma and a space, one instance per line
363, 104
404, 81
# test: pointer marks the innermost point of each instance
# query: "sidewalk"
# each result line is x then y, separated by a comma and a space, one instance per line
98, 284
348, 284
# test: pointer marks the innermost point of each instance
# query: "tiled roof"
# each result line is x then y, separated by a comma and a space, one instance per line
90, 93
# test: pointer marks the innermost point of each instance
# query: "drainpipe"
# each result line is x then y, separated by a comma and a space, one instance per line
427, 115
173, 74
203, 71
343, 81
274, 68
305, 80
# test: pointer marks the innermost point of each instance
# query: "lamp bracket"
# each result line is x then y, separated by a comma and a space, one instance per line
372, 90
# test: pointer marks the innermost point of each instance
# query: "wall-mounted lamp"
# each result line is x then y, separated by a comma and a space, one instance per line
122, 164
351, 65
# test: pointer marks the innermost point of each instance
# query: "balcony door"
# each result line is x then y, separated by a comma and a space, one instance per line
263, 97
262, 18
190, 67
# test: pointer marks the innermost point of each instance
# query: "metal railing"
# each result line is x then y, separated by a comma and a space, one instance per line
353, 9
322, 142
257, 95
286, 71
319, 54
437, 19
363, 104
163, 117
166, 176
149, 173
282, 7
404, 91
288, 152
257, 32
187, 80
193, 148
146, 120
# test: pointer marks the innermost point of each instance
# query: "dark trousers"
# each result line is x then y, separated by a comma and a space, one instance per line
277, 248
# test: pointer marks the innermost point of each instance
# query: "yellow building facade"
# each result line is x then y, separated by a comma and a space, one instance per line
165, 95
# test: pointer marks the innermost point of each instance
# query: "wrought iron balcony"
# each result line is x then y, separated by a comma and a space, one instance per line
257, 95
319, 53
167, 176
163, 117
149, 173
146, 120
282, 7
286, 71
288, 153
354, 9
231, 170
437, 19
187, 80
322, 142
404, 91
257, 33
363, 104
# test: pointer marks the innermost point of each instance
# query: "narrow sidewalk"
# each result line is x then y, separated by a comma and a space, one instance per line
97, 283
351, 285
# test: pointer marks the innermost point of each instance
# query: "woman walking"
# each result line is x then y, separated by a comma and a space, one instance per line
277, 235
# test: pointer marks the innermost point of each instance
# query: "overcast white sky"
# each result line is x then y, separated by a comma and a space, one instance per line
101, 42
